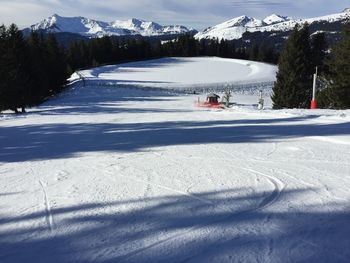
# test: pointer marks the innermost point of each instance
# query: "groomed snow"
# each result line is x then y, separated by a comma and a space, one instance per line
179, 73
122, 174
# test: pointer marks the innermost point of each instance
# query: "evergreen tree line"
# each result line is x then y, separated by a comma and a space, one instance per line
297, 64
31, 70
263, 53
108, 50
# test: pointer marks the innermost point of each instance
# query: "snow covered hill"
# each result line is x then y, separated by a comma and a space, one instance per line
93, 28
184, 73
235, 28
124, 173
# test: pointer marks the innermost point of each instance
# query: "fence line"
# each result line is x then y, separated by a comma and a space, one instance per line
243, 88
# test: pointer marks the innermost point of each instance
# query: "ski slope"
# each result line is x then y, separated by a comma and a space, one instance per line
183, 73
108, 173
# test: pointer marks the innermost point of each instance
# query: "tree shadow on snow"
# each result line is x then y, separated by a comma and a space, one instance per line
79, 100
233, 225
62, 140
138, 66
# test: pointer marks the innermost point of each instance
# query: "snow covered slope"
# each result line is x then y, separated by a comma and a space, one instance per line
93, 28
184, 73
235, 28
113, 174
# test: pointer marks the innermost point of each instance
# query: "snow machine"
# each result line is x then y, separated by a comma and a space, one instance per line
211, 102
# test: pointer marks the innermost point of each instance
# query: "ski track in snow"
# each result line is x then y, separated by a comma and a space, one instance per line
48, 217
276, 192
277, 183
266, 202
148, 182
274, 149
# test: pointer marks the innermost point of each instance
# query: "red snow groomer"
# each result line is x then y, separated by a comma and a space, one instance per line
211, 102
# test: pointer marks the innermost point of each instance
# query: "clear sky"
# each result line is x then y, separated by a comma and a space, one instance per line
198, 14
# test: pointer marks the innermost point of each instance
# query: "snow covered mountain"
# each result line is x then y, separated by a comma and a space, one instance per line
274, 19
93, 28
235, 28
231, 29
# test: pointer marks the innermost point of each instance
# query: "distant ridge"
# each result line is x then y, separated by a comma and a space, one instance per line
236, 27
94, 28
273, 30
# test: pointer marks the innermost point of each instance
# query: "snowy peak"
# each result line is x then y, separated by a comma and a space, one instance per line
79, 25
241, 21
236, 27
274, 19
93, 28
231, 29
136, 25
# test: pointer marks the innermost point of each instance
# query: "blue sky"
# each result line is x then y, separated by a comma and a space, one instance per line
198, 14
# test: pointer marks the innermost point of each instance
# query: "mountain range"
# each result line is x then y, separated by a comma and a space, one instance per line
244, 29
92, 28
235, 28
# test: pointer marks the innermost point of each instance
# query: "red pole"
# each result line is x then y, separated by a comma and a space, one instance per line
313, 102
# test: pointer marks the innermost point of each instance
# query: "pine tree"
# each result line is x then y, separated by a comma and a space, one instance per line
3, 72
223, 50
187, 46
232, 50
145, 49
212, 47
339, 92
56, 65
262, 56
40, 83
116, 50
158, 50
202, 47
270, 56
15, 70
78, 56
106, 50
319, 48
293, 88
253, 52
